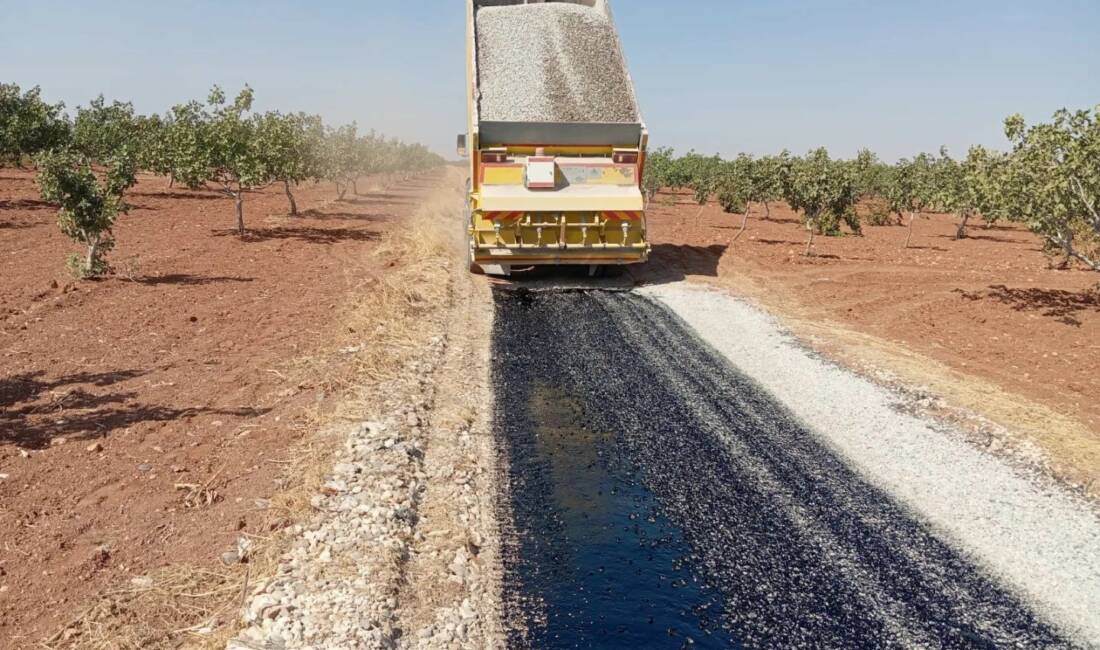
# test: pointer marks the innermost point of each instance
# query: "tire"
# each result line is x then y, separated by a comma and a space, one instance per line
467, 217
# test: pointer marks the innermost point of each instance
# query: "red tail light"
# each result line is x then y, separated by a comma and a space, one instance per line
625, 157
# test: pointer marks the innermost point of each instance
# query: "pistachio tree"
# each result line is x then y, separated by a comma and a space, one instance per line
1051, 182
970, 187
738, 186
950, 192
704, 176
154, 145
103, 131
658, 165
89, 205
341, 157
824, 190
911, 189
218, 143
766, 186
291, 146
29, 125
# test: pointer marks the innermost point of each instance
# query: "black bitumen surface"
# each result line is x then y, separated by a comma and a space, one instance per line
658, 498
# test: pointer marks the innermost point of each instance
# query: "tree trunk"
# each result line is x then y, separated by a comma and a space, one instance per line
744, 224
341, 190
961, 232
909, 235
767, 210
811, 225
171, 180
290, 197
89, 260
239, 198
355, 186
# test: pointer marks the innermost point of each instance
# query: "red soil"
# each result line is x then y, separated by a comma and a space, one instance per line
989, 305
114, 391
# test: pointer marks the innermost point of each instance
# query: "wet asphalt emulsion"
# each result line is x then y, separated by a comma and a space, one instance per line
658, 498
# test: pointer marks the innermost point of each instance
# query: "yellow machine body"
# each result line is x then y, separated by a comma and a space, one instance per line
551, 193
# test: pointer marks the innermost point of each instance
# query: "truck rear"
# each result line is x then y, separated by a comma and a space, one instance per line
555, 138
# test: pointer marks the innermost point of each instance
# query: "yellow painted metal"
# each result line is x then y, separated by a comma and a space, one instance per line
564, 238
494, 175
577, 230
576, 198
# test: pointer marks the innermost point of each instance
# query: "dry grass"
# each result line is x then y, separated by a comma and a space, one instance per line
385, 325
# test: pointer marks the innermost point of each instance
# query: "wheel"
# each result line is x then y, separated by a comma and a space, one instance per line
470, 264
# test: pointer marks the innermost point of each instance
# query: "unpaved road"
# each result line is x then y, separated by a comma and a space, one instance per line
661, 497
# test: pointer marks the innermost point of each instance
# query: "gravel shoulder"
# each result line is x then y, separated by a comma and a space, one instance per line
400, 551
1038, 539
450, 595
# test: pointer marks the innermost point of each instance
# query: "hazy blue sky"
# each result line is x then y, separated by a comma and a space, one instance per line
714, 75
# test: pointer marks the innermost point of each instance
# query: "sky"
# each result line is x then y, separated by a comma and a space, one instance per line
717, 76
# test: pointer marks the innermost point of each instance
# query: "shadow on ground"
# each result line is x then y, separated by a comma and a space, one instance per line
1059, 304
34, 409
186, 279
25, 204
304, 234
675, 262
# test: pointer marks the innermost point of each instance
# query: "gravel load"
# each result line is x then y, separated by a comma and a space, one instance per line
552, 62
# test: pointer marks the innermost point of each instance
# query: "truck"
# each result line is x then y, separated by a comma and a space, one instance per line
564, 186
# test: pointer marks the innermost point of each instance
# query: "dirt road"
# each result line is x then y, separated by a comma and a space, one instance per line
661, 496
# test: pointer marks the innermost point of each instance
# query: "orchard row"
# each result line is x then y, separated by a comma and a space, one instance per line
87, 163
1048, 179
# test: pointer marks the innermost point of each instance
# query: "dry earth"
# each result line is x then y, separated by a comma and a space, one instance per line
148, 418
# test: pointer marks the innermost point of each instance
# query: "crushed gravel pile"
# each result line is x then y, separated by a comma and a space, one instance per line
552, 62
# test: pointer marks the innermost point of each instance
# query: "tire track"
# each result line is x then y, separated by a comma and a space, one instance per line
789, 543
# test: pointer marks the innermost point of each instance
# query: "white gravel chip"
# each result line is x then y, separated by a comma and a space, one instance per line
1040, 540
552, 62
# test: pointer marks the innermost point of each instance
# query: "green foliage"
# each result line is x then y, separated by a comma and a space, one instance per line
292, 148
879, 214
733, 200
219, 143
341, 157
102, 131
89, 206
701, 174
756, 180
658, 172
216, 142
823, 189
29, 125
1051, 181
911, 187
970, 187
872, 176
